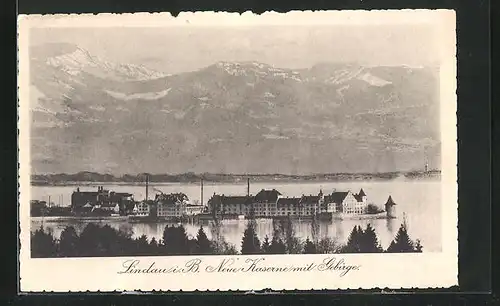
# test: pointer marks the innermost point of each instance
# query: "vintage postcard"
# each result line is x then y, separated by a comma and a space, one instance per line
225, 151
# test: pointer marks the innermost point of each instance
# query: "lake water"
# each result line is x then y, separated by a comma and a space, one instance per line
418, 201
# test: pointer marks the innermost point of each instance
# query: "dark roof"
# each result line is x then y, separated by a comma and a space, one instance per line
172, 197
288, 201
267, 195
310, 199
362, 192
116, 197
358, 197
228, 200
390, 201
336, 197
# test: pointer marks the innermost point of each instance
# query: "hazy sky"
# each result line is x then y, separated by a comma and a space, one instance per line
183, 48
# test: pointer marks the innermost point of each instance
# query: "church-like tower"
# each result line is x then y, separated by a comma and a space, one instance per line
321, 201
362, 194
390, 208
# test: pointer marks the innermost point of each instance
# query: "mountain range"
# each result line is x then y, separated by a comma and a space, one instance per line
89, 114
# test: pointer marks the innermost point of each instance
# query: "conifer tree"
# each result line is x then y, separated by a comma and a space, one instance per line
90, 244
153, 246
369, 242
68, 242
175, 240
202, 242
309, 247
418, 246
402, 242
354, 241
142, 246
277, 246
266, 245
43, 244
250, 243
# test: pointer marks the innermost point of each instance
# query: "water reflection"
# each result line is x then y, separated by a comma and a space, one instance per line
390, 225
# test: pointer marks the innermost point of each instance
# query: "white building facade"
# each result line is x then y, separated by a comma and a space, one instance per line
141, 209
271, 203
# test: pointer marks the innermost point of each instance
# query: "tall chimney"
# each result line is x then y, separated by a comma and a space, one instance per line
248, 186
201, 185
147, 185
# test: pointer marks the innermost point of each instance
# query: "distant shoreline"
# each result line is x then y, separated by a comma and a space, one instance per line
223, 179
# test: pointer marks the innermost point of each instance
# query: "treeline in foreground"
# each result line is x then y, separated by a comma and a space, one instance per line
104, 241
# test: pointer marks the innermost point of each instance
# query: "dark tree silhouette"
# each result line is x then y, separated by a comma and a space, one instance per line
98, 241
103, 241
418, 246
89, 241
373, 209
43, 244
154, 246
309, 247
203, 245
353, 242
68, 242
175, 240
142, 246
402, 242
327, 245
250, 243
266, 245
369, 242
277, 246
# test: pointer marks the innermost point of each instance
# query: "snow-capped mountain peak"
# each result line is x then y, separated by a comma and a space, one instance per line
73, 63
80, 61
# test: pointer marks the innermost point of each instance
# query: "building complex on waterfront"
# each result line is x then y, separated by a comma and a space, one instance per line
271, 203
167, 205
267, 203
105, 202
102, 202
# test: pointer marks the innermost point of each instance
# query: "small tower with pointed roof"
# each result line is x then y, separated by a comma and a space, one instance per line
321, 200
362, 195
390, 208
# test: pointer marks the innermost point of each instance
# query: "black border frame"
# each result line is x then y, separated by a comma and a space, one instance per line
475, 164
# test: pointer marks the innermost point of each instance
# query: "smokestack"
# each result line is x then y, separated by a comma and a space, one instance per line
248, 187
147, 185
201, 185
